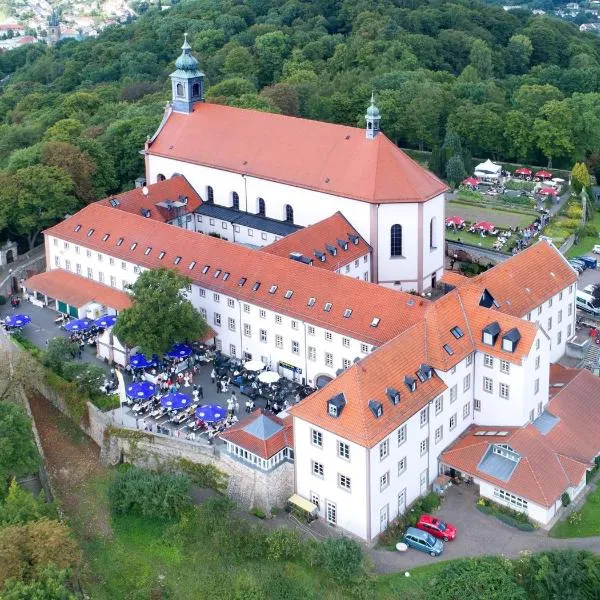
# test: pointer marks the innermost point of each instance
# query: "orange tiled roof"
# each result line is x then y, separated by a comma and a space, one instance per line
368, 380
334, 159
333, 232
528, 279
396, 310
75, 290
454, 278
171, 190
264, 448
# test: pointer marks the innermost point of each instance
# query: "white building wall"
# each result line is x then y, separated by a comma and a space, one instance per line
239, 234
434, 247
351, 506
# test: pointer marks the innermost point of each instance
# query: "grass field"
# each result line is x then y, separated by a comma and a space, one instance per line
589, 524
585, 244
501, 218
470, 238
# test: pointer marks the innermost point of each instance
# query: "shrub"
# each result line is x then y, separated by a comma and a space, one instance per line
257, 512
526, 526
283, 544
565, 499
507, 519
139, 492
486, 510
342, 558
574, 518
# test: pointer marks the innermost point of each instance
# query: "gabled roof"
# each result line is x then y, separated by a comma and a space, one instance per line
527, 279
316, 240
334, 159
207, 260
165, 192
368, 380
263, 434
76, 290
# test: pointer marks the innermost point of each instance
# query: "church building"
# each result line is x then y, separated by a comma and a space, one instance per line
301, 171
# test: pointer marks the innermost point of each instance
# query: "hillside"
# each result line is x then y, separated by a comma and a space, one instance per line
512, 86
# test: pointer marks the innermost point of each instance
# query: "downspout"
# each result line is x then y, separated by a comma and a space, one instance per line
245, 192
368, 494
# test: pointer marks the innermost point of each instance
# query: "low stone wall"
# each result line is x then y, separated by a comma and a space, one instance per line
470, 253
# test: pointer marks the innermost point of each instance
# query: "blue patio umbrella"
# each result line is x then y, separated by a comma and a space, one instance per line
211, 413
141, 390
139, 361
179, 351
17, 320
105, 321
175, 400
78, 325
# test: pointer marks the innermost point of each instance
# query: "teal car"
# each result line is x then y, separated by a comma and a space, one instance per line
423, 541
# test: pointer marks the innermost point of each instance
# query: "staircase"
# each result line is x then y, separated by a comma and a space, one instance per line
591, 361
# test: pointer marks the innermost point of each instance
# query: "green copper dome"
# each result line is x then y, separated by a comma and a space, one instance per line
373, 111
186, 62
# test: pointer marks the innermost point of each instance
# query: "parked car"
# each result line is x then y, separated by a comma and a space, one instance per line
587, 303
590, 262
579, 262
576, 266
596, 249
436, 527
421, 540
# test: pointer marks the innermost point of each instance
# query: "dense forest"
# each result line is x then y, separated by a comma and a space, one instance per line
509, 85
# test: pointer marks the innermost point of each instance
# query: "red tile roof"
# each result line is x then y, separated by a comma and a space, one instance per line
396, 310
334, 159
168, 191
454, 278
528, 279
368, 380
264, 448
550, 462
335, 232
75, 290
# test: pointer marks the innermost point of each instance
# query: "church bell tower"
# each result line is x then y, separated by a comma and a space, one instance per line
372, 119
187, 81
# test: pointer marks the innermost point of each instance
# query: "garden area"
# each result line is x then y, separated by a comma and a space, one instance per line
584, 522
505, 514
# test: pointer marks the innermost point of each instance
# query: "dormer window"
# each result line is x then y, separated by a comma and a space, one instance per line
256, 286
327, 307
161, 255
177, 260
490, 333
335, 405
376, 408
311, 302
192, 265
448, 349
226, 276
320, 255
426, 370
410, 382
205, 269
457, 332
272, 289
90, 232
217, 273
510, 340
242, 282
375, 321
347, 313
119, 241
393, 395
353, 238
147, 250
331, 249
105, 237
133, 246
77, 228
343, 244
288, 294
487, 300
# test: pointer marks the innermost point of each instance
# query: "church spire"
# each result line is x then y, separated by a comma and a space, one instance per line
372, 119
187, 81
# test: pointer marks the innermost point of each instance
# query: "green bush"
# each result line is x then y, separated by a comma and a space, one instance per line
486, 510
342, 558
283, 544
507, 519
258, 512
565, 499
135, 491
525, 527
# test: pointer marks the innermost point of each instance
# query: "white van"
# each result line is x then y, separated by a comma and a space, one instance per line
586, 302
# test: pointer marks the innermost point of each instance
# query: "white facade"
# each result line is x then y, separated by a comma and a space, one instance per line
232, 232
420, 260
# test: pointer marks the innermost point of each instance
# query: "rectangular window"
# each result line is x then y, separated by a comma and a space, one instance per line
125, 283
560, 316
549, 323
536, 386
539, 411
216, 297
488, 385
202, 292
343, 450
453, 393
531, 415
295, 347
384, 449
100, 276
294, 324
231, 324
279, 341
539, 310
310, 330
247, 330
550, 303
537, 344
560, 296
262, 313
232, 350
559, 337
90, 273
312, 353
346, 342
504, 366
57, 261
317, 469
364, 348
218, 319
466, 410
278, 319
569, 329
203, 313
477, 404
401, 466
231, 304
384, 481
537, 362
402, 435
510, 498
424, 416
439, 405
488, 361
346, 363
328, 359
344, 482
88, 253
113, 281
467, 382
316, 438
328, 336
469, 359
504, 390
439, 434
78, 268
570, 310
452, 423
424, 446
263, 336
68, 265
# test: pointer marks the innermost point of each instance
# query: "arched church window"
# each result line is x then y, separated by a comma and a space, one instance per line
179, 90
433, 233
195, 90
235, 201
210, 195
160, 177
262, 210
289, 213
396, 240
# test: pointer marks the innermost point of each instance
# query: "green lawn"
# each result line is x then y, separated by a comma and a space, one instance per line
398, 585
471, 238
502, 218
589, 524
586, 244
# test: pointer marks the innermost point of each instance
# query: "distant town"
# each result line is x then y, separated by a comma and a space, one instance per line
24, 22
583, 14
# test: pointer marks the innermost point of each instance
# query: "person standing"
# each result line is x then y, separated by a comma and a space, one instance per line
213, 375
201, 392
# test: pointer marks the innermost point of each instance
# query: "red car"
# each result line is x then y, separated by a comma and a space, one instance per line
437, 527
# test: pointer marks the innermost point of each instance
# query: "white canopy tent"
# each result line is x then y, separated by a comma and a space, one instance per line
488, 170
